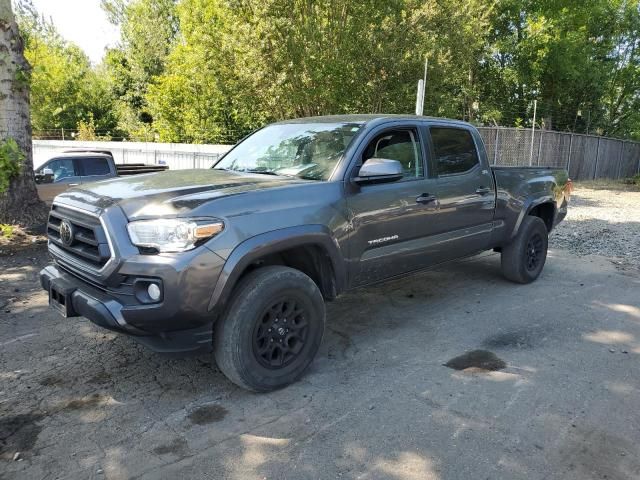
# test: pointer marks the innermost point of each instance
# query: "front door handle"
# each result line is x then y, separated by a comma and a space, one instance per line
74, 184
482, 190
426, 198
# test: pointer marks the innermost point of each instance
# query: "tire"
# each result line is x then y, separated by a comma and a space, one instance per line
523, 259
272, 329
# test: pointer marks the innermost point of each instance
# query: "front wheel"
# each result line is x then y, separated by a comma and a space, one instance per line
272, 329
523, 259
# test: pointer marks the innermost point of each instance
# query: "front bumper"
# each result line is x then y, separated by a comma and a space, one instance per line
180, 322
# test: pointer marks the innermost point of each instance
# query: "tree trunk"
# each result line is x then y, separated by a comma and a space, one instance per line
19, 203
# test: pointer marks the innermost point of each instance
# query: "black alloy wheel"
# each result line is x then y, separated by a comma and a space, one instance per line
280, 333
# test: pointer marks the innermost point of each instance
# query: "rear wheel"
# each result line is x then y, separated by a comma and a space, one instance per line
272, 329
524, 258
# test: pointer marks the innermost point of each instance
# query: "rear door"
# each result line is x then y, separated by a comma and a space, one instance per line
465, 190
94, 169
65, 175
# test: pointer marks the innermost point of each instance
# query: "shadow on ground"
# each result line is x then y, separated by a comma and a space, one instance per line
379, 401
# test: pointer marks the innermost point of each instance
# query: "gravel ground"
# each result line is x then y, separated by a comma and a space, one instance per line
602, 220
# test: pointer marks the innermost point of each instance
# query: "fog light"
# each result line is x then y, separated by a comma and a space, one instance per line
154, 292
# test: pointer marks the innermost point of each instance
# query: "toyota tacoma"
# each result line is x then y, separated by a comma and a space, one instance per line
239, 259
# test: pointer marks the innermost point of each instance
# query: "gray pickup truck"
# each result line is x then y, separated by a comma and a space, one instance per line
240, 258
77, 166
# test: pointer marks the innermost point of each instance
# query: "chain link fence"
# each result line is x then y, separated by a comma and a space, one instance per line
586, 157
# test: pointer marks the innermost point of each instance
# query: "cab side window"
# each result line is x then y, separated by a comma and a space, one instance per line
62, 168
455, 150
95, 166
401, 145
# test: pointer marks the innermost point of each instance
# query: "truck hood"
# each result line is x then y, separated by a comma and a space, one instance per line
168, 193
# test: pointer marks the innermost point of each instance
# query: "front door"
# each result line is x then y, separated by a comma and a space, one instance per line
389, 221
61, 174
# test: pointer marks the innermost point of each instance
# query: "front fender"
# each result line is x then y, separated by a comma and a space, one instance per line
272, 242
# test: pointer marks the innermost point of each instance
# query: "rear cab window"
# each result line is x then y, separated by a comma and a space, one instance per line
454, 150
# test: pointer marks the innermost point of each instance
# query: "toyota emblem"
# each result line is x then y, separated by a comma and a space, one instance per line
66, 233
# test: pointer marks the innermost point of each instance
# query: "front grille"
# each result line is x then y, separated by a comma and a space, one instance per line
121, 289
88, 243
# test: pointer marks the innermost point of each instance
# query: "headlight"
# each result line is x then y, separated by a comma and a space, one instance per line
173, 235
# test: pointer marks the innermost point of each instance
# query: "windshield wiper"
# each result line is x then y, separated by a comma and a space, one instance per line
263, 172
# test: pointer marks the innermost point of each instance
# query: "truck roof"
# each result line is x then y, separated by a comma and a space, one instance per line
367, 118
82, 154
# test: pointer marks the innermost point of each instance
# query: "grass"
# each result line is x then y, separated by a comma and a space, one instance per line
633, 181
14, 239
631, 184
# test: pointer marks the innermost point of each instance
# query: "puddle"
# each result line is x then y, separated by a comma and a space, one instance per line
479, 359
207, 414
18, 433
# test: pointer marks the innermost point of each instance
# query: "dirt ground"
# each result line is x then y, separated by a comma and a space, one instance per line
452, 373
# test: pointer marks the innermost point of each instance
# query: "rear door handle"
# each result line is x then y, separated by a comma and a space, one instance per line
482, 190
74, 184
426, 198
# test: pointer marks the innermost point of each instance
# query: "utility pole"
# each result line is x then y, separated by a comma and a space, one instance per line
422, 85
419, 97
533, 130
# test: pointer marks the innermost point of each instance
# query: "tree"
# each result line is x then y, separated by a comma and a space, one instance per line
148, 30
65, 88
621, 100
241, 64
19, 203
578, 58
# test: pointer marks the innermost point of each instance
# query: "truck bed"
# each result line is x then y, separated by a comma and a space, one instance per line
519, 190
125, 169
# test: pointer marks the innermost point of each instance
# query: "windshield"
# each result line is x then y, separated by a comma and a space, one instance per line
305, 150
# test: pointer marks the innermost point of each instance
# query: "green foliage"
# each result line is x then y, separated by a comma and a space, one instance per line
87, 130
148, 29
213, 70
65, 88
240, 64
579, 58
11, 158
6, 230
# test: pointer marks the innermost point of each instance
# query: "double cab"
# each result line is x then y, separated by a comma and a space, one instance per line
239, 259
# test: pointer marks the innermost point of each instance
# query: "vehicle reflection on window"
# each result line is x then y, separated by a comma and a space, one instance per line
307, 150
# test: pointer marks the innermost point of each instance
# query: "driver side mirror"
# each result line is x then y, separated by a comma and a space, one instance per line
379, 170
44, 176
